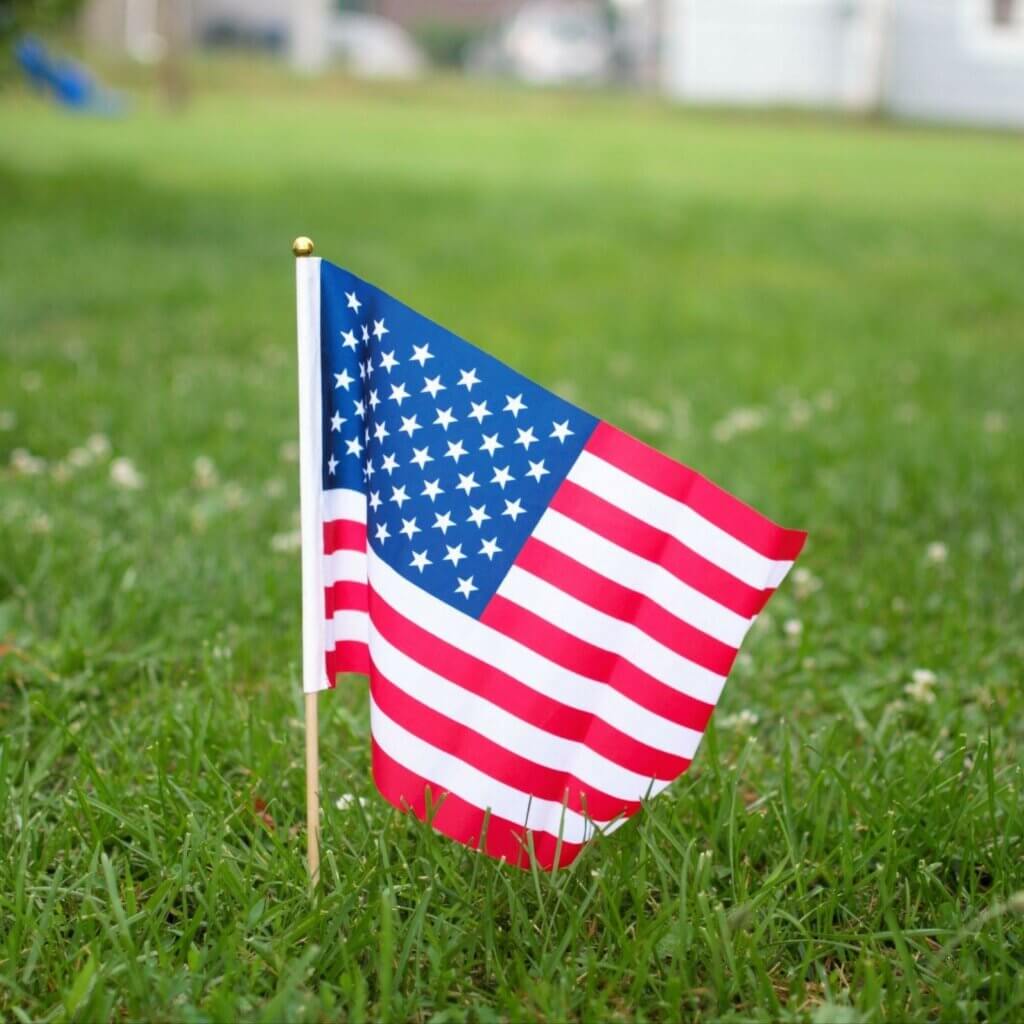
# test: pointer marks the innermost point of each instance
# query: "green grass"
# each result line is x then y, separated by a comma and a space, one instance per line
826, 318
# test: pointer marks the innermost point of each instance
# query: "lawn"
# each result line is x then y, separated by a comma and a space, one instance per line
826, 318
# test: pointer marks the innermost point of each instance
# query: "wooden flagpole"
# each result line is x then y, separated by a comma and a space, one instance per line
302, 248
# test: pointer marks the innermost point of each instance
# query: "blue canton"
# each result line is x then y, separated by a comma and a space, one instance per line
457, 455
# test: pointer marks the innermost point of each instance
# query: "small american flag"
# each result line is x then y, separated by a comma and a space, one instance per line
547, 608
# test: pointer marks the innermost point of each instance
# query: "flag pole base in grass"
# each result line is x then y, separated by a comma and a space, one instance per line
312, 789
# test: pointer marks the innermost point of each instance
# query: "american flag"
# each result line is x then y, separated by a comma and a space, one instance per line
546, 608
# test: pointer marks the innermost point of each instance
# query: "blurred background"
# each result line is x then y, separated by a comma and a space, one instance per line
948, 60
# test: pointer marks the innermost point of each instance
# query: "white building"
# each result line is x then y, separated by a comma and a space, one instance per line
949, 60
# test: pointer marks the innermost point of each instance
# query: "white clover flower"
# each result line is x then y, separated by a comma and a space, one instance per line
40, 523
920, 687
285, 542
274, 487
994, 422
805, 583
98, 444
347, 800
645, 415
793, 628
289, 451
25, 463
234, 495
123, 474
205, 472
79, 458
739, 421
741, 721
936, 553
8, 420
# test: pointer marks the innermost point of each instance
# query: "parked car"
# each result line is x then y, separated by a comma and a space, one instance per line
549, 43
373, 46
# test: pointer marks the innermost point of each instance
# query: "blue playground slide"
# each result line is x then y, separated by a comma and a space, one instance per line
67, 82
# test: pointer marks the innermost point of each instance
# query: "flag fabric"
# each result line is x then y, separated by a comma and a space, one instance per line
546, 608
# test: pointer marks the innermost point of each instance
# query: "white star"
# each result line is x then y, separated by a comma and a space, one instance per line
409, 527
332, 465
374, 399
409, 425
390, 464
443, 522
561, 431
342, 380
455, 451
350, 340
380, 431
398, 393
502, 477
368, 470
420, 560
467, 378
388, 361
382, 532
432, 488
489, 548
477, 514
513, 509
491, 444
537, 470
466, 483
354, 447
525, 438
336, 421
359, 407
366, 333
454, 555
399, 497
421, 456
367, 369
379, 330
465, 587
445, 418
431, 385
353, 302
420, 354
375, 501
480, 410
514, 404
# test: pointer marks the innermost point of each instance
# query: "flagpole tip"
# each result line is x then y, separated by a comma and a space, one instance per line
302, 246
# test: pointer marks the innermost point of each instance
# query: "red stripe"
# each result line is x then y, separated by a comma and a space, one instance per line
627, 605
689, 487
462, 821
344, 535
347, 656
491, 758
520, 700
584, 658
646, 541
345, 596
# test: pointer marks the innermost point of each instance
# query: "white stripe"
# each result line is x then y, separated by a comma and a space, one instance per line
678, 520
346, 625
610, 634
531, 669
343, 503
475, 787
307, 307
642, 576
512, 733
344, 566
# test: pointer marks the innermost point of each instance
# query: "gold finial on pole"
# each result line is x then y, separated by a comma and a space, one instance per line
302, 246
